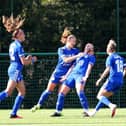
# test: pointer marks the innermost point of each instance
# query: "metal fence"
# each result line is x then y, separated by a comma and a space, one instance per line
36, 79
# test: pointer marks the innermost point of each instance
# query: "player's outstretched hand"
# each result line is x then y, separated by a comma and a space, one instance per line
34, 58
29, 57
81, 54
98, 82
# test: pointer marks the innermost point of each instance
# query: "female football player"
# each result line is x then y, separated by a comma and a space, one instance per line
17, 61
67, 55
77, 77
114, 67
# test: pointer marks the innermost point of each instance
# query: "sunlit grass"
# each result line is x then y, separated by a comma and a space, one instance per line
71, 117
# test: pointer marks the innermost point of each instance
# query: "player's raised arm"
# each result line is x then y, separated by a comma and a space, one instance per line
72, 58
90, 66
71, 42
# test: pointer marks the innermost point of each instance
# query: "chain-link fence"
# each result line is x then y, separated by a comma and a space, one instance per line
36, 79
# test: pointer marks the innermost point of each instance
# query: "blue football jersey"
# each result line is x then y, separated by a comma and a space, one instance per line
116, 64
81, 64
62, 67
15, 52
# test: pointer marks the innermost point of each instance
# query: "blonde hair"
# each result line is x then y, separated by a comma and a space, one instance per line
112, 44
11, 24
65, 34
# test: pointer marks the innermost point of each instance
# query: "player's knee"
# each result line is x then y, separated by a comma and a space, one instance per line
9, 92
50, 88
22, 93
64, 92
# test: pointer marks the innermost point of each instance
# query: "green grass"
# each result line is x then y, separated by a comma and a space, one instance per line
71, 117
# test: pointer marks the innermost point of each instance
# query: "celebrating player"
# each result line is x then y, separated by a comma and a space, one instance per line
77, 77
114, 67
67, 55
17, 60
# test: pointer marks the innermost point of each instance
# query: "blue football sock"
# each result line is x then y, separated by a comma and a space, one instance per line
43, 97
17, 104
104, 100
60, 102
83, 100
99, 105
3, 95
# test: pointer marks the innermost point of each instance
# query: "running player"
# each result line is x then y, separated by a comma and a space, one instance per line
114, 67
17, 60
77, 77
67, 55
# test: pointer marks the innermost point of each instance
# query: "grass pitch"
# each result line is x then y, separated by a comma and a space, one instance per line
71, 117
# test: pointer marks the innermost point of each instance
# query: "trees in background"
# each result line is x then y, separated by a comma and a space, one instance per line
93, 21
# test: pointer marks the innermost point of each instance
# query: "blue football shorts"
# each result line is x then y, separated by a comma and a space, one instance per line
55, 79
112, 85
15, 74
73, 80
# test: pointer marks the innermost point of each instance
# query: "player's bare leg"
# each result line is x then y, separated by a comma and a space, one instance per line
44, 96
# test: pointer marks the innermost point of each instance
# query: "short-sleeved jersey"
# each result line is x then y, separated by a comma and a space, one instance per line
62, 67
82, 63
116, 64
15, 52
